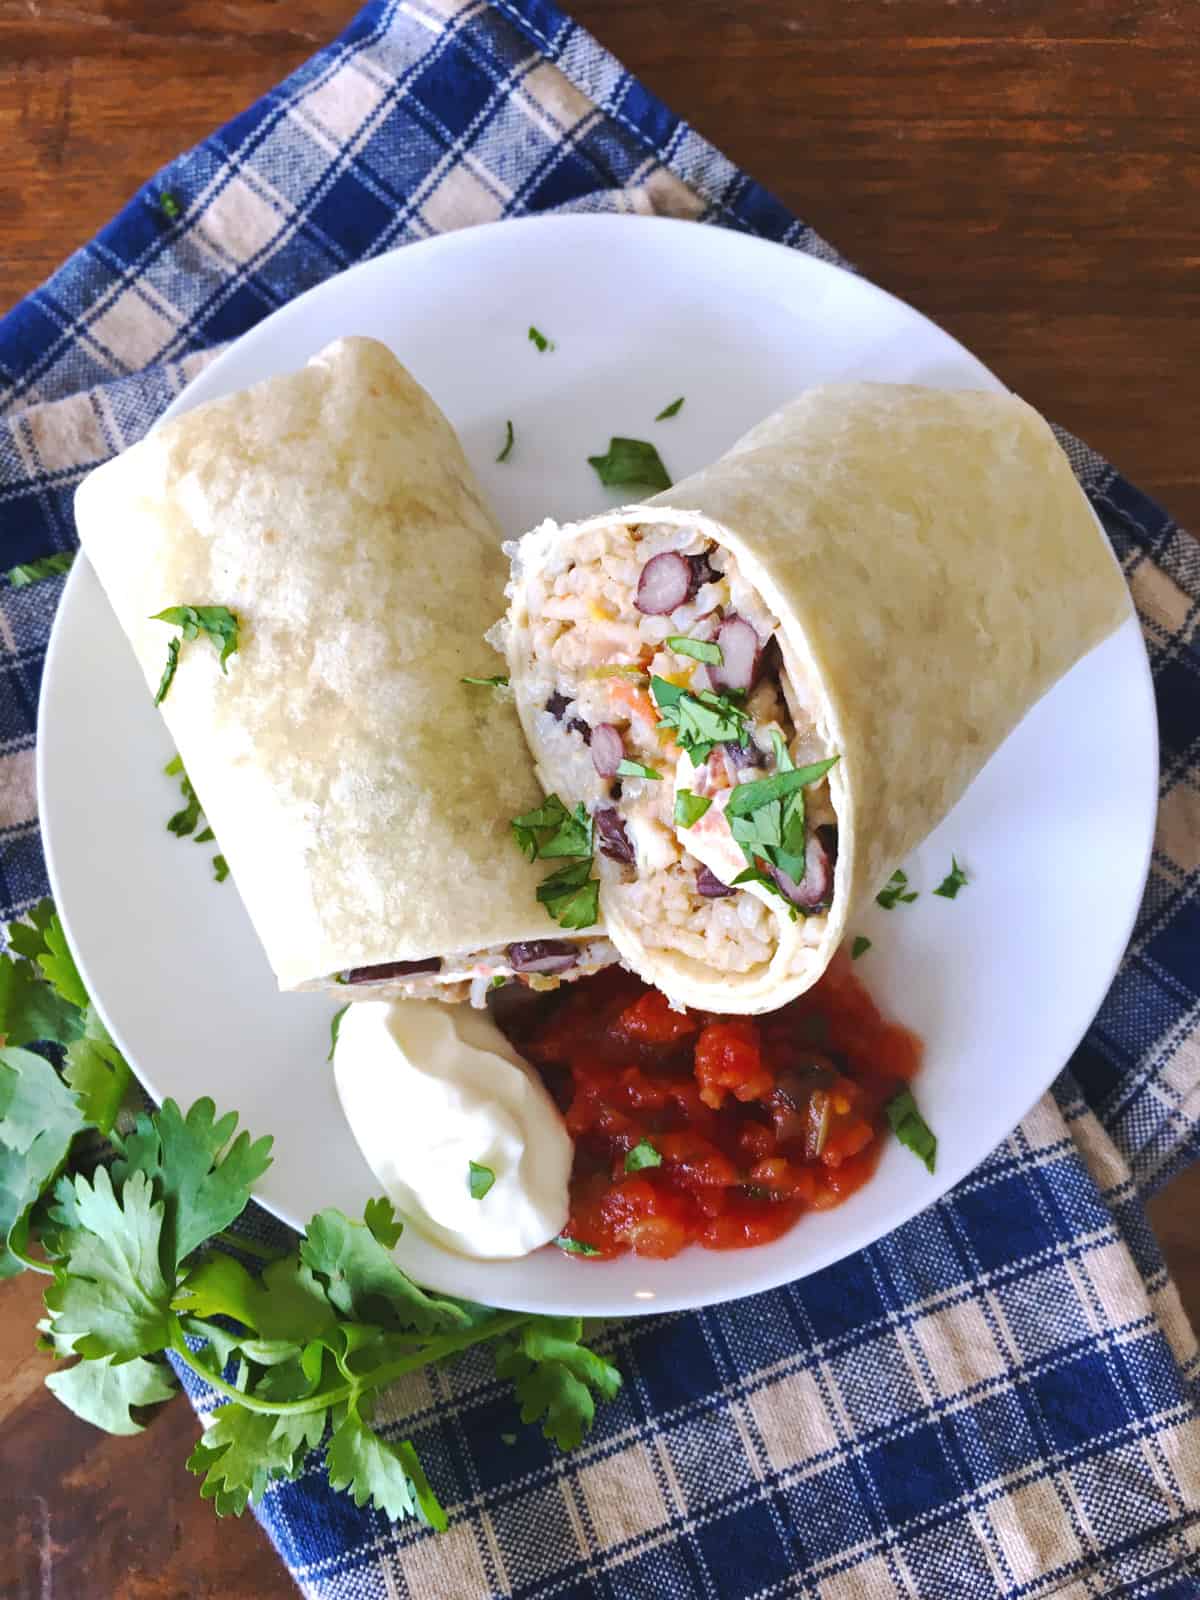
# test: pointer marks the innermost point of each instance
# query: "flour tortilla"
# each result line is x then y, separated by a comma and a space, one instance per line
935, 569
360, 792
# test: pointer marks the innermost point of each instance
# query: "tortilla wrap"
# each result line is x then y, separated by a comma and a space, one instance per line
359, 790
928, 567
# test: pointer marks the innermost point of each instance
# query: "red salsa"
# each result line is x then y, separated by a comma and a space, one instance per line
694, 1128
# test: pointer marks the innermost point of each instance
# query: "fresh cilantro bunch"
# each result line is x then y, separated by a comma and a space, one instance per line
571, 895
138, 1252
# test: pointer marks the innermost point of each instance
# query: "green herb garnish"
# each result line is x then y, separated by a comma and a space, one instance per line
480, 1179
571, 895
185, 821
860, 946
508, 442
631, 463
335, 1024
499, 681
689, 808
552, 830
672, 410
575, 1247
699, 721
22, 576
699, 649
220, 868
169, 205
642, 1155
139, 1264
168, 671
217, 623
540, 340
896, 891
747, 798
954, 880
635, 769
910, 1127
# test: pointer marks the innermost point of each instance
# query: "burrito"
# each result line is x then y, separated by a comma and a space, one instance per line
769, 682
324, 529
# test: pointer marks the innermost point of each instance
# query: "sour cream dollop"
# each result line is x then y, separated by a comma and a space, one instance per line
429, 1088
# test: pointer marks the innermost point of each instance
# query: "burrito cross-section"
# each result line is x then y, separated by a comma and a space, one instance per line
775, 678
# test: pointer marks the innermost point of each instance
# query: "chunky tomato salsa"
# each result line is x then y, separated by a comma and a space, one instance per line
693, 1128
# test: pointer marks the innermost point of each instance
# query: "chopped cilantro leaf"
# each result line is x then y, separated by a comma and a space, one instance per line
508, 442
896, 891
168, 676
220, 868
641, 1156
540, 340
500, 681
699, 649
571, 895
631, 463
216, 623
699, 721
635, 769
749, 797
335, 1025
689, 808
552, 830
954, 880
575, 1247
910, 1127
34, 571
480, 1179
860, 946
380, 1216
169, 205
672, 410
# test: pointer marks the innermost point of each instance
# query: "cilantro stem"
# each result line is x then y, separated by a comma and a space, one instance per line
249, 1247
435, 1350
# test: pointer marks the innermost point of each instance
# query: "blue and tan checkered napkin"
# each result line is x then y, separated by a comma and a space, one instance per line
1000, 1399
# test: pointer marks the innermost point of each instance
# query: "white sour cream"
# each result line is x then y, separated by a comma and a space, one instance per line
427, 1089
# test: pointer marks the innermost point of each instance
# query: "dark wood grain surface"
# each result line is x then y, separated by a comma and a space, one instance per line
1024, 171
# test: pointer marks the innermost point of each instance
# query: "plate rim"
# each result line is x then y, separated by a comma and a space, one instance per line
208, 383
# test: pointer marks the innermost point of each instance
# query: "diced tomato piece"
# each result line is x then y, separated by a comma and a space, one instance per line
728, 1060
693, 1161
651, 1020
650, 1218
748, 1222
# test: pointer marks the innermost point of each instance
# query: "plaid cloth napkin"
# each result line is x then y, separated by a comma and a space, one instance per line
999, 1399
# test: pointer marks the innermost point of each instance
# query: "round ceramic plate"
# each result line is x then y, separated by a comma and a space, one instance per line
1001, 982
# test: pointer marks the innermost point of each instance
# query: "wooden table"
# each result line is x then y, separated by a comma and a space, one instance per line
1024, 172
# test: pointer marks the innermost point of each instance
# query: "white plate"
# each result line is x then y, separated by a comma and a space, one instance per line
1055, 833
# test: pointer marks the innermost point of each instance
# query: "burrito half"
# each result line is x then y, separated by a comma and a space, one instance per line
771, 681
359, 789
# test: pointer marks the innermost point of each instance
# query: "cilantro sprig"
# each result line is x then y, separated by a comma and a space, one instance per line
216, 623
137, 1254
699, 721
